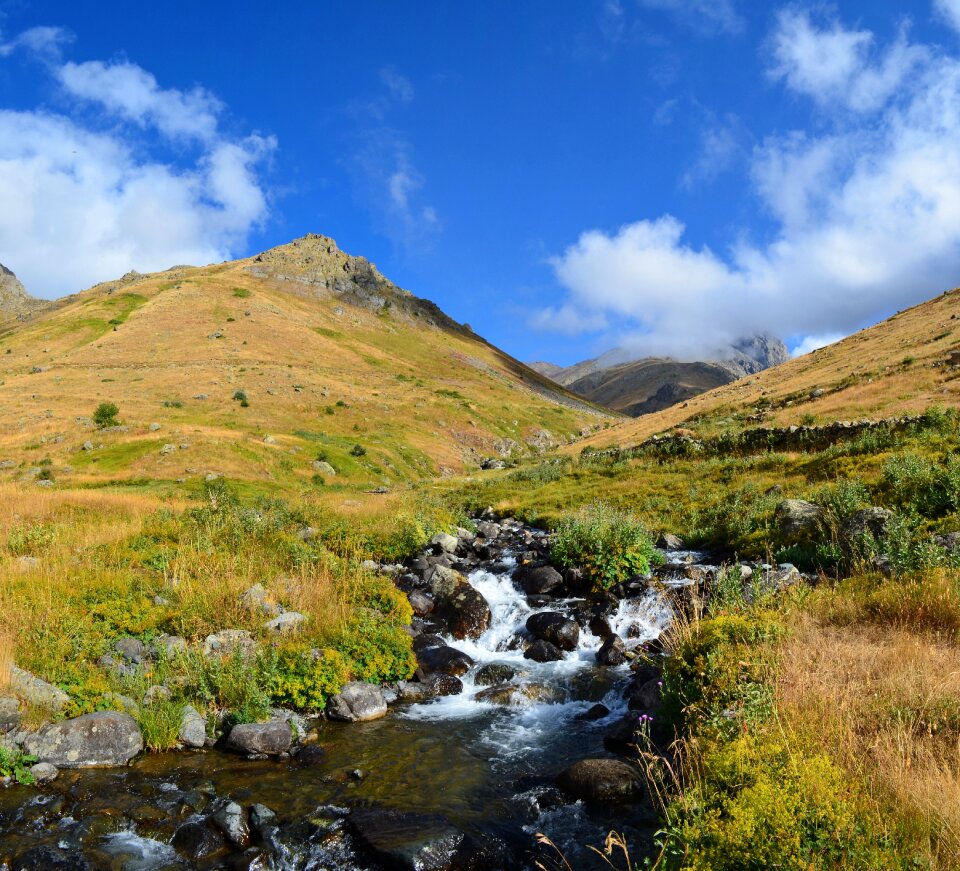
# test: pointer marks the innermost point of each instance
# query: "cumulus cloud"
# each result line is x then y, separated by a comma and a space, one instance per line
42, 41
85, 199
704, 16
865, 212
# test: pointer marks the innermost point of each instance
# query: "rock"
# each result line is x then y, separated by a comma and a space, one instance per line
644, 695
168, 449
872, 521
667, 541
37, 692
258, 600
439, 684
46, 858
950, 542
540, 579
556, 628
270, 738
87, 446
488, 529
154, 427
418, 842
133, 650
9, 714
458, 604
308, 533
27, 563
798, 520
494, 673
447, 660
229, 641
286, 623
543, 651
324, 468
261, 817
311, 754
357, 702
603, 780
101, 738
193, 729
110, 663
612, 651
231, 819
498, 695
195, 840
600, 626
168, 646
156, 693
44, 772
445, 581
596, 712
783, 576
426, 641
443, 542
421, 603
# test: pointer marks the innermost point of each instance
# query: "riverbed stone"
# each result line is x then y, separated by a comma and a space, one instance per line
270, 738
466, 612
231, 819
357, 702
48, 858
36, 691
543, 651
443, 542
196, 840
498, 695
494, 673
612, 651
439, 684
603, 780
421, 603
538, 579
556, 628
448, 660
98, 739
44, 772
193, 729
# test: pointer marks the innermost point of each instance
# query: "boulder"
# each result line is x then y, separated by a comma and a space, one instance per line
667, 541
168, 646
556, 628
324, 468
497, 695
271, 738
779, 578
9, 714
196, 840
37, 692
798, 520
133, 650
421, 603
612, 651
447, 660
644, 696
98, 739
44, 772
193, 729
466, 612
443, 542
286, 623
603, 780
872, 521
494, 673
488, 530
47, 858
231, 819
444, 581
226, 642
594, 712
950, 542
543, 651
538, 579
357, 702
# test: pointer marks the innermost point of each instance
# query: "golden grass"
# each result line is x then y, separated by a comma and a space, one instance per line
884, 702
6, 659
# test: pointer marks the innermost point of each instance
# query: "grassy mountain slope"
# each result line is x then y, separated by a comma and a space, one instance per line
328, 353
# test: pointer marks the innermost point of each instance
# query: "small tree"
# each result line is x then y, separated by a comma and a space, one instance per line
106, 415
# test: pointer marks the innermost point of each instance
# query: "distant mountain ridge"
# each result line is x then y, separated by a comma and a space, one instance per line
649, 384
14, 299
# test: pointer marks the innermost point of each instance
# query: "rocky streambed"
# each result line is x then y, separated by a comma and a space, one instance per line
523, 717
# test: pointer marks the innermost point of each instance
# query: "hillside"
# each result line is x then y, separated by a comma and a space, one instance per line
642, 386
14, 299
334, 361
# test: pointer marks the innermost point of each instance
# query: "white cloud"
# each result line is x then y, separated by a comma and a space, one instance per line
397, 84
41, 41
83, 201
704, 16
812, 343
866, 220
949, 11
720, 148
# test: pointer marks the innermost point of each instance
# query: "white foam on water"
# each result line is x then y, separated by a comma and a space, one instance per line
138, 853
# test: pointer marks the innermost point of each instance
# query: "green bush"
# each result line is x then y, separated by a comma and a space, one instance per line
16, 764
608, 544
237, 685
304, 678
378, 651
240, 396
106, 415
358, 451
160, 724
913, 482
31, 539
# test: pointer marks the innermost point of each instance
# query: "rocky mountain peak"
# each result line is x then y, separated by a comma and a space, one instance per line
14, 299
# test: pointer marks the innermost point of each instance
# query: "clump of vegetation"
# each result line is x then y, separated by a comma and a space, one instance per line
239, 396
241, 293
16, 764
610, 545
358, 451
304, 677
106, 415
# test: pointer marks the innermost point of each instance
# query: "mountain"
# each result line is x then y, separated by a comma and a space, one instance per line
265, 369
14, 299
635, 387
902, 365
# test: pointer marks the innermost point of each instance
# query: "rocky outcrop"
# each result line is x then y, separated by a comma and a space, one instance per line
14, 299
99, 739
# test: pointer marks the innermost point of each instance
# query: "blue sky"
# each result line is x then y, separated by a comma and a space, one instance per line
566, 175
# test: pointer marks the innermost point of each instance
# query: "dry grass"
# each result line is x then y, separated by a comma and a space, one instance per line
885, 703
6, 658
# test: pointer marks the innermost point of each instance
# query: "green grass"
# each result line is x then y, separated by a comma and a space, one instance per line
117, 457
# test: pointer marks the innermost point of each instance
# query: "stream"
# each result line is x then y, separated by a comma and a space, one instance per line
479, 766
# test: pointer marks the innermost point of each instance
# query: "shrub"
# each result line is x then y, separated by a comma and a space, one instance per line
304, 678
240, 396
160, 724
377, 650
358, 451
31, 538
241, 292
106, 414
608, 544
237, 684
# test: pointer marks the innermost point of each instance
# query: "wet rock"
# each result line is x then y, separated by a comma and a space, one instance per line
538, 579
612, 651
498, 695
556, 628
442, 685
37, 692
357, 702
603, 780
599, 626
543, 651
494, 673
47, 858
596, 712
646, 696
196, 840
417, 842
261, 817
447, 660
797, 519
421, 603
466, 612
231, 820
44, 772
286, 623
226, 642
426, 641
311, 754
101, 738
193, 729
270, 738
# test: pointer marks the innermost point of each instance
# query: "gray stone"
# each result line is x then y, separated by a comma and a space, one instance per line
133, 650
872, 521
37, 692
603, 780
324, 468
539, 579
421, 603
797, 519
167, 645
444, 581
44, 772
556, 628
443, 542
9, 714
668, 541
168, 449
193, 730
270, 738
231, 819
287, 622
229, 641
494, 673
258, 600
269, 440
157, 693
612, 651
27, 563
357, 702
154, 427
101, 738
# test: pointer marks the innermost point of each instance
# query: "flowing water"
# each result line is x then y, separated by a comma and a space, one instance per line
486, 768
